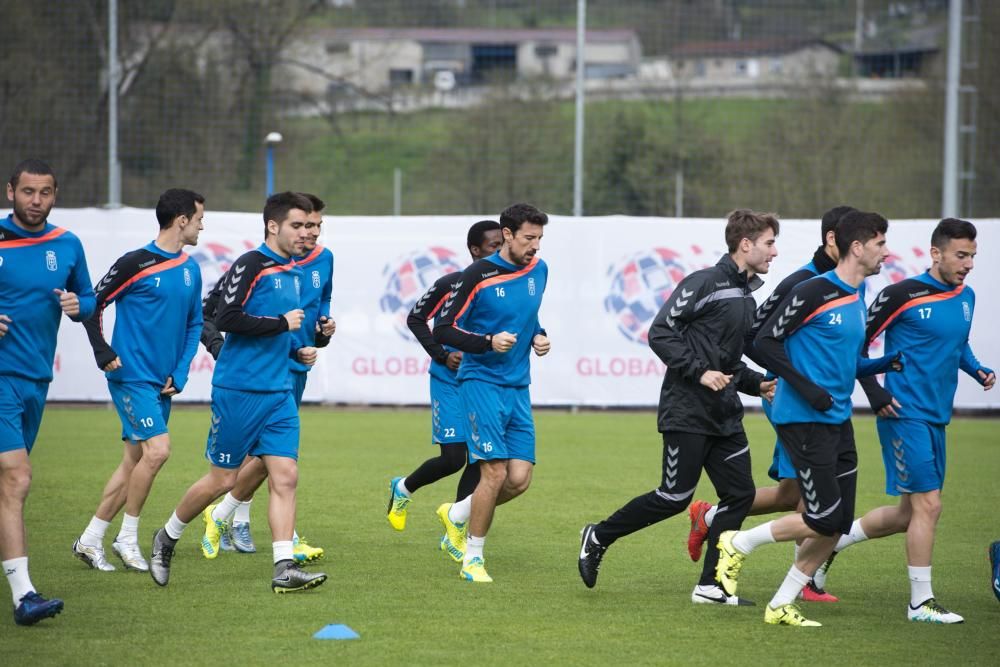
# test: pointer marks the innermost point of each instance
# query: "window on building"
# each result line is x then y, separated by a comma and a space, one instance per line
337, 48
400, 77
546, 50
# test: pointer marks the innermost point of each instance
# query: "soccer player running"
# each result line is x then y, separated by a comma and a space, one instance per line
227, 525
492, 316
699, 334
43, 274
785, 496
253, 410
158, 286
813, 342
927, 318
447, 416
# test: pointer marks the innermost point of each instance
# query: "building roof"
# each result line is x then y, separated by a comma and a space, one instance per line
747, 47
480, 35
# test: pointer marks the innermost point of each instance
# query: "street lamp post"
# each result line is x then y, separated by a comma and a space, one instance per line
272, 140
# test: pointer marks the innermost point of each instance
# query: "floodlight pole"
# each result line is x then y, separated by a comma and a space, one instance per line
581, 38
949, 197
114, 167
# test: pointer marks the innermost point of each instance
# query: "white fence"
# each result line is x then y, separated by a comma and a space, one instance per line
607, 277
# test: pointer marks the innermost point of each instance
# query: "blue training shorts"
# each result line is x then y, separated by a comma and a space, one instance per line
142, 409
447, 416
913, 452
298, 385
498, 420
21, 405
781, 466
251, 423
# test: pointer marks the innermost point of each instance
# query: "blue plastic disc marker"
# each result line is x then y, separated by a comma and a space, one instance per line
336, 631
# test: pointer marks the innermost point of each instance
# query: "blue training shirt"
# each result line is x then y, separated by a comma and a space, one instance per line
260, 288
32, 266
813, 342
491, 296
317, 288
929, 322
157, 297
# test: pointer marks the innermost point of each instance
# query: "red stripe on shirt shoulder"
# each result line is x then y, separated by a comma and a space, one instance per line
913, 303
24, 242
830, 305
156, 268
493, 281
266, 272
311, 257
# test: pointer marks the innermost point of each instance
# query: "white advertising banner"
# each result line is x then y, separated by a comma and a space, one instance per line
607, 279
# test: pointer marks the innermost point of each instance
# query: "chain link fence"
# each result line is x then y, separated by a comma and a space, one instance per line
694, 107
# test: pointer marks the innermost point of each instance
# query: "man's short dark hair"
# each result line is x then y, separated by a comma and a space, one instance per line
746, 224
279, 204
514, 216
831, 218
860, 226
176, 202
31, 166
317, 203
477, 232
952, 228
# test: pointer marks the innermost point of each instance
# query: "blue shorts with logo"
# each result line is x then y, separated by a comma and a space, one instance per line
22, 402
251, 423
498, 420
142, 409
298, 385
913, 452
447, 416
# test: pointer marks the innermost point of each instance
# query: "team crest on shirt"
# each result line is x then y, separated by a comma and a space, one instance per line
966, 311
50, 260
315, 279
187, 277
531, 286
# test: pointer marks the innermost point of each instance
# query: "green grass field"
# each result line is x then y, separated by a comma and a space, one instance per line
405, 599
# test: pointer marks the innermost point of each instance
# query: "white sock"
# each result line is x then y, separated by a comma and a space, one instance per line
794, 582
401, 487
746, 541
226, 508
93, 534
460, 511
282, 550
474, 548
856, 535
129, 532
17, 577
242, 512
175, 527
920, 585
710, 515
